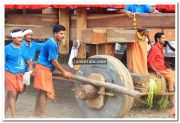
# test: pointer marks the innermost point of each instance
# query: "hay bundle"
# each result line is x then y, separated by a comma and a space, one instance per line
156, 87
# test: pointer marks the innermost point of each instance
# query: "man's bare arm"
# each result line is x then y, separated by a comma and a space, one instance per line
128, 13
29, 63
61, 69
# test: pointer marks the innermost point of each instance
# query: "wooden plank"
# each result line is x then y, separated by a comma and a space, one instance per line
64, 20
32, 19
163, 20
120, 35
123, 35
39, 32
46, 33
94, 36
100, 36
169, 33
113, 34
81, 24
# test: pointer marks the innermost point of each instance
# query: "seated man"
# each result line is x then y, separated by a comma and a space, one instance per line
156, 62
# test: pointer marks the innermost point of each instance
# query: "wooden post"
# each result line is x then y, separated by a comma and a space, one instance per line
92, 49
81, 23
103, 49
107, 49
64, 20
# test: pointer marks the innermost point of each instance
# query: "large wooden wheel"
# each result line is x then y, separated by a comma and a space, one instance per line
114, 72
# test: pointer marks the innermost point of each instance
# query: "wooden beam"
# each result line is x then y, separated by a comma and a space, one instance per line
123, 35
47, 32
114, 20
81, 23
94, 36
102, 36
169, 33
64, 20
39, 32
119, 35
150, 20
33, 19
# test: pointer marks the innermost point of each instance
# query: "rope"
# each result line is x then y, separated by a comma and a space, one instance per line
139, 36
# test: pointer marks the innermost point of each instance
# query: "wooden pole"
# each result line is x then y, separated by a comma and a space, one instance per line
64, 20
162, 94
107, 85
81, 23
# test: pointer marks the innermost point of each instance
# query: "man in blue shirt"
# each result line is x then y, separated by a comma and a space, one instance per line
135, 8
29, 45
15, 59
46, 64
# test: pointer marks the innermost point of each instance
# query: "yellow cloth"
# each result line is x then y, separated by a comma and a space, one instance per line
137, 57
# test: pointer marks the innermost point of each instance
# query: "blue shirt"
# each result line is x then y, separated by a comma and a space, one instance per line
31, 49
15, 59
48, 53
134, 8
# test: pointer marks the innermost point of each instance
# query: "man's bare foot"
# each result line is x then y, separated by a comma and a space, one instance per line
172, 113
36, 113
44, 115
12, 116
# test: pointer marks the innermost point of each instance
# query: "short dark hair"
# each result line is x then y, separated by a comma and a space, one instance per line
16, 30
58, 28
158, 35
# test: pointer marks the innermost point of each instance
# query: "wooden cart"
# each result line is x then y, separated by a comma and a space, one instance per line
110, 89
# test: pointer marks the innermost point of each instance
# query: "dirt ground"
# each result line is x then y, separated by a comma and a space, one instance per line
66, 106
